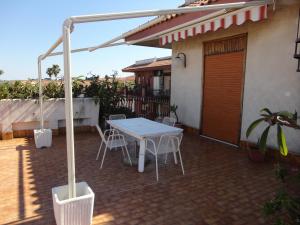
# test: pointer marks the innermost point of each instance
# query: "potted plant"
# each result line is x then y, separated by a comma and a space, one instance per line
254, 153
279, 119
173, 109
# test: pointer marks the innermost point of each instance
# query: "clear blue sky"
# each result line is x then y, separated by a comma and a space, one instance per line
29, 28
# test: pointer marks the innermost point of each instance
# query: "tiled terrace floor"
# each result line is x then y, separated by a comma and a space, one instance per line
221, 186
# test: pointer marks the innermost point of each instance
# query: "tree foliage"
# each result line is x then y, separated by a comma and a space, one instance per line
78, 86
54, 90
107, 93
18, 90
53, 71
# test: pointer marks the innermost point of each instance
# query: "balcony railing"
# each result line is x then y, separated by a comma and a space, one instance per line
148, 107
147, 92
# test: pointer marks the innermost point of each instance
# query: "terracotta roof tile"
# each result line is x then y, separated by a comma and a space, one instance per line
199, 3
159, 64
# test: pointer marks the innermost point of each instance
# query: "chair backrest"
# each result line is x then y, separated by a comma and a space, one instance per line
158, 119
169, 121
100, 132
117, 117
169, 143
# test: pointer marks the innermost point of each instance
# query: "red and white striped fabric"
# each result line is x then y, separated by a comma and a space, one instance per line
238, 17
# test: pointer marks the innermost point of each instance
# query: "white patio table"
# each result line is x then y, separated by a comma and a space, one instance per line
141, 129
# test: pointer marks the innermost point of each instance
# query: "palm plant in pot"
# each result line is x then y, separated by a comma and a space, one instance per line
272, 119
173, 109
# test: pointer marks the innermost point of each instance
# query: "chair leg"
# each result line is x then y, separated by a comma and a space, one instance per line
175, 158
156, 168
174, 153
166, 158
181, 162
99, 150
123, 152
128, 155
103, 157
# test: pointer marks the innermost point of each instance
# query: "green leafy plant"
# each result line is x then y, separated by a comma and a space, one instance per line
78, 86
54, 90
284, 208
21, 90
4, 90
173, 109
1, 72
279, 119
106, 93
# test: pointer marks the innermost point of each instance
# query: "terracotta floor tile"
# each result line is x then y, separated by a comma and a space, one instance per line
221, 186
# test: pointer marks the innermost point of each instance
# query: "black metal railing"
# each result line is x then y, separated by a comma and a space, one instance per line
148, 107
148, 92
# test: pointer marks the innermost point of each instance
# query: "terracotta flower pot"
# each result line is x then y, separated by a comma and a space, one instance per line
254, 154
179, 125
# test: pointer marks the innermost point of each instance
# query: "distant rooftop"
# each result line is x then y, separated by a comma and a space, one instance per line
162, 63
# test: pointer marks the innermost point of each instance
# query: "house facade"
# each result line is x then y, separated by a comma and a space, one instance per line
237, 62
152, 76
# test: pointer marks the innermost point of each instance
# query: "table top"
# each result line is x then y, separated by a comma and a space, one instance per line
142, 128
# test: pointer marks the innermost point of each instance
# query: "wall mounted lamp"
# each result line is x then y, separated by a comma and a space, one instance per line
181, 56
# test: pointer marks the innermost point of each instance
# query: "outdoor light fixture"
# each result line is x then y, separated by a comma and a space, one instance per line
181, 56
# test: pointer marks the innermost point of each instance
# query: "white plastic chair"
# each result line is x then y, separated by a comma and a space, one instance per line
114, 140
117, 117
166, 144
128, 138
169, 121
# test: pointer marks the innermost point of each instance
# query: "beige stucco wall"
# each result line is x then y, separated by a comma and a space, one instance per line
271, 79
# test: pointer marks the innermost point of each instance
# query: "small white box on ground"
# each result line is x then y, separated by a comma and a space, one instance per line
43, 138
74, 211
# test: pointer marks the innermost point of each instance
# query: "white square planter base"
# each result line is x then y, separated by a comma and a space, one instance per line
43, 138
74, 211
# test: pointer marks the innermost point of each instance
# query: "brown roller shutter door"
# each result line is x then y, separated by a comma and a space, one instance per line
222, 95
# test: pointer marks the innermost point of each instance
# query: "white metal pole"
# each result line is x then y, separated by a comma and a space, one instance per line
69, 108
40, 93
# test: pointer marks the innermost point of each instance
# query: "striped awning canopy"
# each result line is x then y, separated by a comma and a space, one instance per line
238, 17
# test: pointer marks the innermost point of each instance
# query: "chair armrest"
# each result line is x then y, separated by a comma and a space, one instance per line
171, 138
148, 141
105, 132
111, 131
116, 136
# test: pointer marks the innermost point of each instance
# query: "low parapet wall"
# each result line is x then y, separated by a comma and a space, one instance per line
18, 118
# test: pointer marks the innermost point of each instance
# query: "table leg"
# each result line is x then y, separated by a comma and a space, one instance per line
142, 155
